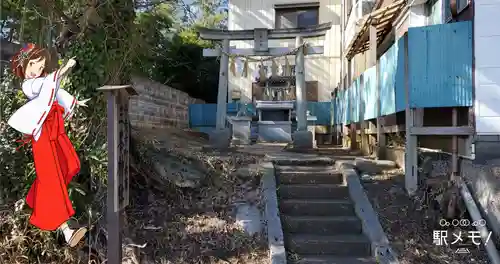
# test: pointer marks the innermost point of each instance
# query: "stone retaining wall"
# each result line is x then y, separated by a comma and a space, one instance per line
159, 105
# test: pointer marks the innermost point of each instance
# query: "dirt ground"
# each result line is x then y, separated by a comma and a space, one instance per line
409, 225
164, 223
171, 225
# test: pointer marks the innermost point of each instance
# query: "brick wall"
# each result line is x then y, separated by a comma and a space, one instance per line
159, 106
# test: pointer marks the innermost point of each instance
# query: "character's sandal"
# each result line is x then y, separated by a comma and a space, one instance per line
77, 236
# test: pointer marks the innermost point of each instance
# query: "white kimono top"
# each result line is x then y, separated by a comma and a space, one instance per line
41, 92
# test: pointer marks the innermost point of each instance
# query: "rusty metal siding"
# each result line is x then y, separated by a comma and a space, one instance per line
440, 65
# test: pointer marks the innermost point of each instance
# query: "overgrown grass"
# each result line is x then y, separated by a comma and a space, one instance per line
19, 241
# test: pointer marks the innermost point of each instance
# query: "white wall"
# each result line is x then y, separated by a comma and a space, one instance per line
487, 60
250, 14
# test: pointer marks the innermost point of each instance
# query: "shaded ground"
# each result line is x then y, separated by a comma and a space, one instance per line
164, 223
409, 225
195, 225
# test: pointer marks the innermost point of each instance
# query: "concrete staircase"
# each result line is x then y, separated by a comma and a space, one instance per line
318, 218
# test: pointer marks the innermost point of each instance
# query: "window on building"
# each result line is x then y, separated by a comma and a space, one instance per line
461, 5
296, 16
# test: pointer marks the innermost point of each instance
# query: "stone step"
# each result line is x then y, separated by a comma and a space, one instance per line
332, 260
313, 191
300, 159
339, 245
321, 225
316, 207
325, 177
292, 168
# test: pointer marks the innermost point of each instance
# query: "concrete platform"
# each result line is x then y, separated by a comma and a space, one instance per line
303, 140
220, 139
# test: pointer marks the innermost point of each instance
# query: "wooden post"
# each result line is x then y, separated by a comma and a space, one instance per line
380, 120
470, 150
361, 116
411, 158
223, 87
118, 165
300, 87
348, 128
454, 146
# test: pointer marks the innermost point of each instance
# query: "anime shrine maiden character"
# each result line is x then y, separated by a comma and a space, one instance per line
41, 120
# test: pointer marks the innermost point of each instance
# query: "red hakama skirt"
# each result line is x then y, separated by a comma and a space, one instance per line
56, 162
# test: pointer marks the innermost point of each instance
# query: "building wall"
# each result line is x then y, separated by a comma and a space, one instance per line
435, 8
487, 62
159, 105
250, 14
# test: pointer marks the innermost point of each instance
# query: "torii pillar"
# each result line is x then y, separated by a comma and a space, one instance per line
302, 137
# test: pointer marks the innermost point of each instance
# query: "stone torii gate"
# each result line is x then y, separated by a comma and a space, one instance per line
302, 138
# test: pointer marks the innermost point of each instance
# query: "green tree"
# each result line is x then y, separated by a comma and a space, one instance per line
182, 64
105, 54
111, 40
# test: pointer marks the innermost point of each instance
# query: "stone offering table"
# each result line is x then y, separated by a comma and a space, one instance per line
274, 123
240, 129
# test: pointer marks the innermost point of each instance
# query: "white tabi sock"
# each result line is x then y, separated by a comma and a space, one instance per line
68, 232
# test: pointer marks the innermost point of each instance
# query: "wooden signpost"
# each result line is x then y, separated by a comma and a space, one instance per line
118, 165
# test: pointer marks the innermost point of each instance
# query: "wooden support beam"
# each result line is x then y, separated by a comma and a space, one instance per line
442, 131
454, 144
347, 137
271, 52
418, 117
353, 136
411, 159
362, 123
385, 129
470, 150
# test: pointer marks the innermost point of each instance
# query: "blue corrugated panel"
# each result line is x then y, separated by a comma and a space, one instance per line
246, 109
205, 115
400, 89
356, 99
370, 93
336, 110
388, 64
202, 115
440, 61
322, 111
232, 109
348, 108
345, 107
342, 107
